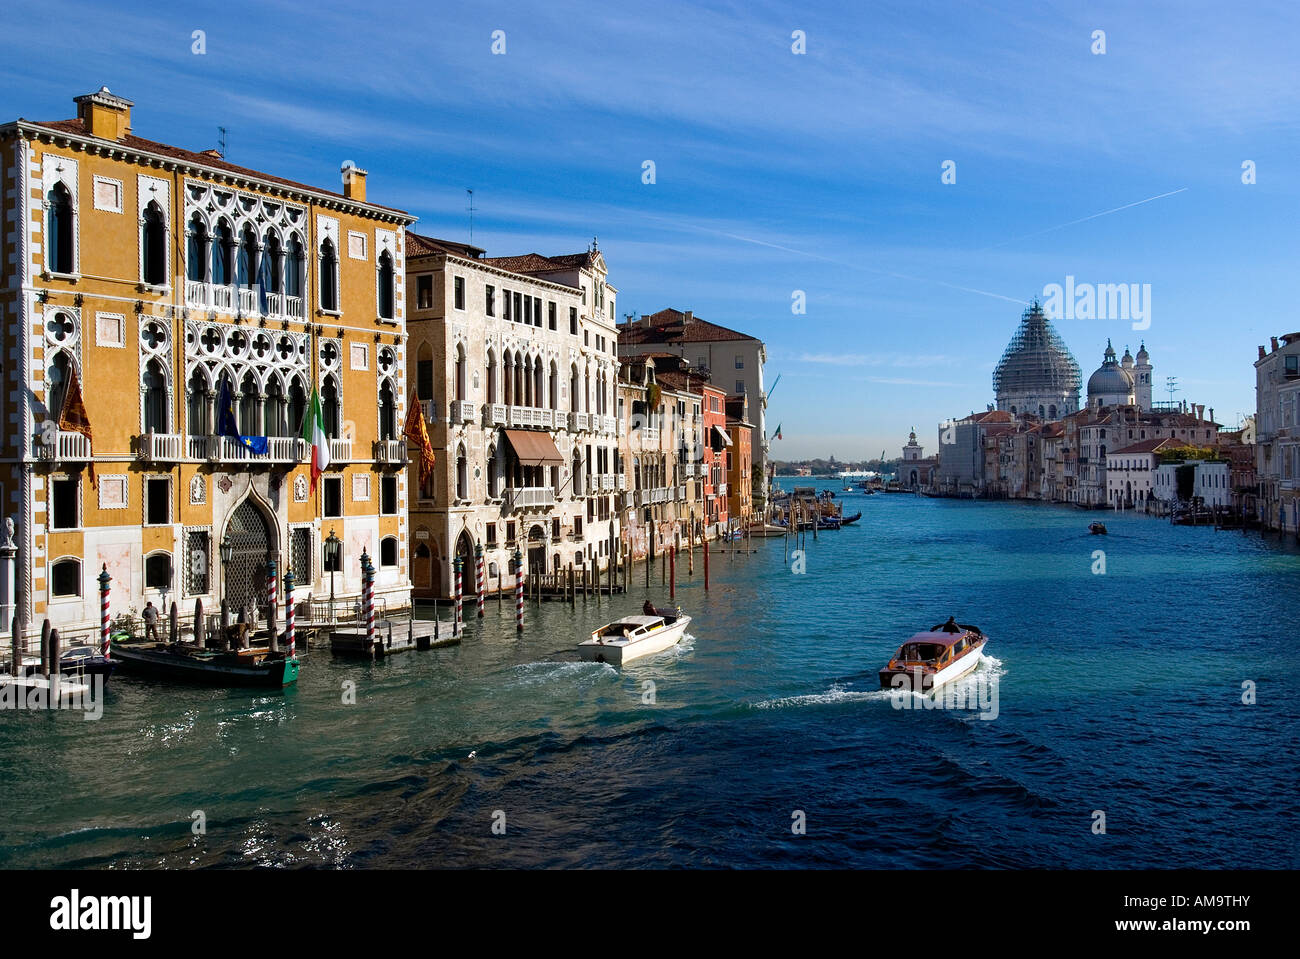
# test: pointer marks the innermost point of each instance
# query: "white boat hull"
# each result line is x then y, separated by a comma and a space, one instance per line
620, 652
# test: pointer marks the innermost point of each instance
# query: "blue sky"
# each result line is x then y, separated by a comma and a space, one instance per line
776, 172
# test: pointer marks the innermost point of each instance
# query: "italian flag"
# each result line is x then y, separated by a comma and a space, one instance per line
313, 431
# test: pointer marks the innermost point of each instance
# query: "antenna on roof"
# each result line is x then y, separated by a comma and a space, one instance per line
1171, 384
222, 140
471, 215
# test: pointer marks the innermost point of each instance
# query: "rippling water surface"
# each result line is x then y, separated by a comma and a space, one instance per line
1118, 692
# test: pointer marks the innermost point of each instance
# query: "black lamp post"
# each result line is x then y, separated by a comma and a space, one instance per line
332, 546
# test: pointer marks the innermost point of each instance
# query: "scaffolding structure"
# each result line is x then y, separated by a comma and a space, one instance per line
1036, 362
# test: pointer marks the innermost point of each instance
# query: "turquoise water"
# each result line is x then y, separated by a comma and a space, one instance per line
1118, 692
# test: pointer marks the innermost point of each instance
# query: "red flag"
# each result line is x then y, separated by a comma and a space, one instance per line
415, 430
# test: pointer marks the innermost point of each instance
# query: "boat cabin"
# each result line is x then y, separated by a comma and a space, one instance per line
935, 647
629, 627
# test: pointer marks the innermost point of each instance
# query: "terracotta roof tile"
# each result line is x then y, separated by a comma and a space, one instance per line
132, 142
671, 326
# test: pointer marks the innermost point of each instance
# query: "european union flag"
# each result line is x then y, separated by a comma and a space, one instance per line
227, 425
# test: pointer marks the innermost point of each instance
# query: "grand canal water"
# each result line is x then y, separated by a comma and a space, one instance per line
1119, 692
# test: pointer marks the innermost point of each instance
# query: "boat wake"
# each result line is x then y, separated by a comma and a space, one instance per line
548, 673
833, 696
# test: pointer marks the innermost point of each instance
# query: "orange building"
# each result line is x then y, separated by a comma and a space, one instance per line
740, 487
160, 277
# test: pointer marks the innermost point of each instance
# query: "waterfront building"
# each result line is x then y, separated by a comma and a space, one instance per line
733, 359
713, 462
1277, 425
739, 460
1130, 472
964, 468
514, 360
159, 280
657, 428
1037, 373
916, 471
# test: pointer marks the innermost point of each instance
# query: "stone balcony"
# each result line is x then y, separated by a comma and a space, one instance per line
529, 497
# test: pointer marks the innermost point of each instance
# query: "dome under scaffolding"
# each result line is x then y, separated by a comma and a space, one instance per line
1037, 374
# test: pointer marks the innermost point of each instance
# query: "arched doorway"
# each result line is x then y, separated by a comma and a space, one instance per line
536, 550
422, 567
245, 574
465, 550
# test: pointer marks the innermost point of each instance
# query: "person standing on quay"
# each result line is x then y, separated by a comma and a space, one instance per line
150, 621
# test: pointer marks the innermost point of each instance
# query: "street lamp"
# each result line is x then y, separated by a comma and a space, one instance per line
332, 547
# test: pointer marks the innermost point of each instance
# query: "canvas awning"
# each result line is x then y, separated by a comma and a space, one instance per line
534, 448
720, 438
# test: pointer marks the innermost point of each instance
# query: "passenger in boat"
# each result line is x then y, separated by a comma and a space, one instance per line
649, 609
150, 615
950, 626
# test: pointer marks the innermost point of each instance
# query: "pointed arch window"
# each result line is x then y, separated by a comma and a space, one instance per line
387, 412
60, 236
196, 250
553, 389
293, 268
462, 474
196, 405
460, 372
329, 276
246, 262
248, 405
273, 412
268, 270
155, 398
221, 254
491, 377
329, 396
386, 311
297, 406
60, 370
153, 246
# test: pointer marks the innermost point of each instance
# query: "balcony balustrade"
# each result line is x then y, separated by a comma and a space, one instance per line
390, 451
160, 447
67, 447
462, 411
529, 497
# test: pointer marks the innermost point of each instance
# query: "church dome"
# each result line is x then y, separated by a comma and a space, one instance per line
1127, 360
1036, 362
1111, 379
1143, 356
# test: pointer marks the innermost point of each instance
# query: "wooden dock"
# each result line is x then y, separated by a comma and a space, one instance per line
392, 636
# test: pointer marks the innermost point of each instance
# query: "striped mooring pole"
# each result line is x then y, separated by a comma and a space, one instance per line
455, 625
272, 604
478, 580
288, 613
104, 580
368, 594
519, 591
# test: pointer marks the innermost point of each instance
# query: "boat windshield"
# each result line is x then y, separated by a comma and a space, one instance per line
923, 652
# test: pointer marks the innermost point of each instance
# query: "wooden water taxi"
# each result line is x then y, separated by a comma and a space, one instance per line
235, 667
1097, 529
928, 660
633, 637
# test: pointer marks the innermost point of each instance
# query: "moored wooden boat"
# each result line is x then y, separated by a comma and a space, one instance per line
850, 520
243, 667
928, 660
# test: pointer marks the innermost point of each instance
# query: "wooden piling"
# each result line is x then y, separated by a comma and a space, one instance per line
706, 564
54, 654
45, 649
672, 572
573, 599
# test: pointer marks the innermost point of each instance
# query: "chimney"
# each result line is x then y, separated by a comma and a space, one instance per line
688, 318
1261, 351
354, 182
1273, 340
215, 154
104, 114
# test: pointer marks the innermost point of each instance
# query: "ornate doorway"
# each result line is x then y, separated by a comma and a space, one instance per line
465, 550
536, 551
245, 574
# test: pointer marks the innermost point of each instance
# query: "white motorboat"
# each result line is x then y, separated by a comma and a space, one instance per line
928, 660
632, 637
